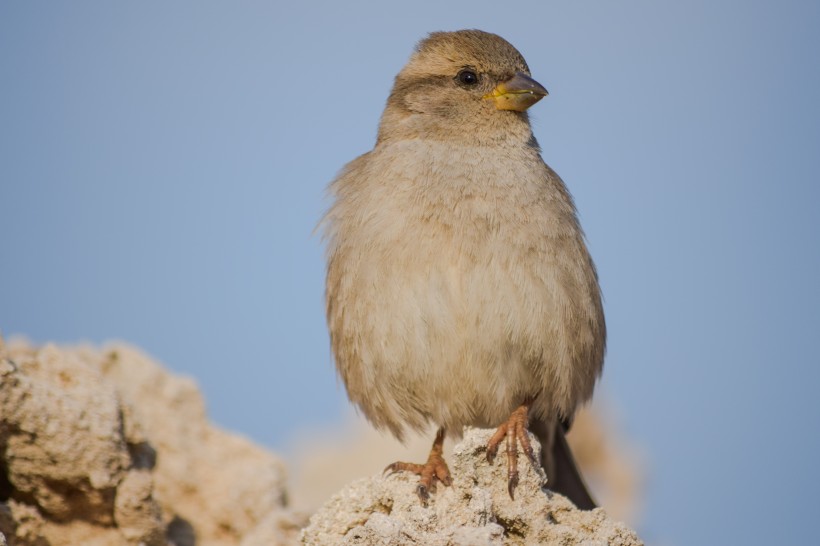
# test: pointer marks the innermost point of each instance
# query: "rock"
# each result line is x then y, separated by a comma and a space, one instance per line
215, 483
62, 436
136, 513
324, 460
106, 447
475, 510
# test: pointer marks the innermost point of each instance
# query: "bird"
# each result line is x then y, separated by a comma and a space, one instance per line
459, 289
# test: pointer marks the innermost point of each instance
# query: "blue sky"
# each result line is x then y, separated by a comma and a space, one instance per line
163, 165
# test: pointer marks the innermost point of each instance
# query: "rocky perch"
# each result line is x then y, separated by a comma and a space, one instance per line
104, 447
475, 510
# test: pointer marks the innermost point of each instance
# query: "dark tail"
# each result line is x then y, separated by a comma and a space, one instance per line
562, 473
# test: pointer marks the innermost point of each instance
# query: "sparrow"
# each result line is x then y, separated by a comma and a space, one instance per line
460, 291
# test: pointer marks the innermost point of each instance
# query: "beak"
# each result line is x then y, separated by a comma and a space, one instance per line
518, 93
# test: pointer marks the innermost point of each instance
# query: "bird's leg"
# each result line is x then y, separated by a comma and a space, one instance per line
515, 431
434, 469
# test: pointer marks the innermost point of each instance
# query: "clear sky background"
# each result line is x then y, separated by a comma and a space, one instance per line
163, 165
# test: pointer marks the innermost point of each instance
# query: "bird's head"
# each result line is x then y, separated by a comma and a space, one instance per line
465, 85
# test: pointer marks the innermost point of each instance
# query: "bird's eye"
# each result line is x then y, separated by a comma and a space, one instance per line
467, 77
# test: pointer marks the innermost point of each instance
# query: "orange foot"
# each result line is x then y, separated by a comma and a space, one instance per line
515, 431
434, 469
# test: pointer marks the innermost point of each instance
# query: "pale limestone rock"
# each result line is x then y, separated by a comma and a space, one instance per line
62, 435
136, 513
27, 525
476, 509
323, 460
276, 529
215, 482
106, 448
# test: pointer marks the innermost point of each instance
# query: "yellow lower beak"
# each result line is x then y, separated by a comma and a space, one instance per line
518, 93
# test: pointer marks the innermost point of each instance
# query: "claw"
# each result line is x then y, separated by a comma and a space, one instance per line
515, 432
423, 493
495, 440
434, 469
445, 479
398, 467
526, 446
512, 483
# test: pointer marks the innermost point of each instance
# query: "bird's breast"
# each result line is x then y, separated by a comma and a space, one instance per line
463, 270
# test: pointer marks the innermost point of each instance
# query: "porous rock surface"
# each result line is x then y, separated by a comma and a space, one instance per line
104, 447
476, 510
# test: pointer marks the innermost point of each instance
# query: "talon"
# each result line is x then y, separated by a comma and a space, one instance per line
512, 483
515, 433
444, 478
399, 466
530, 454
492, 445
423, 494
434, 469
524, 440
